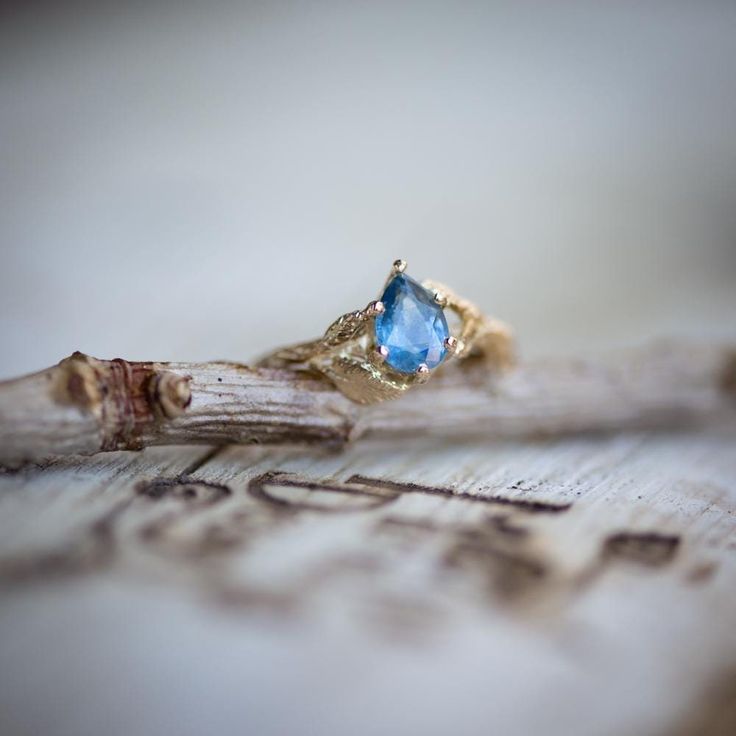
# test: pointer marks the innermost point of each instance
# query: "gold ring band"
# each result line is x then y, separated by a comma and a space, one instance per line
377, 353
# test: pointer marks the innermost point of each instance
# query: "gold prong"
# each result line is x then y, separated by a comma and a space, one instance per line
422, 373
375, 308
399, 266
451, 343
441, 298
380, 354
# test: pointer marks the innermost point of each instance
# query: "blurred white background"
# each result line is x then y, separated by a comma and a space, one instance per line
209, 181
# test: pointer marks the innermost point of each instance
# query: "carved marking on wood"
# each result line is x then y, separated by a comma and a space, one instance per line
524, 504
728, 375
199, 463
92, 550
509, 574
189, 489
357, 496
701, 572
646, 548
493, 551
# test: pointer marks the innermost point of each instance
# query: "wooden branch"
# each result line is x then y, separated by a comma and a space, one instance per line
84, 405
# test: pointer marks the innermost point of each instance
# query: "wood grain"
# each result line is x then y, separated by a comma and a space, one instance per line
554, 552
580, 585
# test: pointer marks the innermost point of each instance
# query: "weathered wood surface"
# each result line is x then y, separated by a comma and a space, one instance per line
582, 585
84, 405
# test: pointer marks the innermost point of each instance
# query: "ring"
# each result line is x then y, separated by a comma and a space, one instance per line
378, 353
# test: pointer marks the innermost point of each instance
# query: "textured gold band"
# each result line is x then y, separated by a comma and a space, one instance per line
348, 352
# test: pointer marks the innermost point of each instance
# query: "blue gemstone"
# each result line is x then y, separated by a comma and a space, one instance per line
412, 326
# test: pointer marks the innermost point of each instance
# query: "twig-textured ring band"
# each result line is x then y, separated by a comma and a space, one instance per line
377, 353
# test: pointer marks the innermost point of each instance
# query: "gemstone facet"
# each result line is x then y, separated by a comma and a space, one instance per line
412, 326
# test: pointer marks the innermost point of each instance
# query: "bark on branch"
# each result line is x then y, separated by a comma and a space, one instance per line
84, 405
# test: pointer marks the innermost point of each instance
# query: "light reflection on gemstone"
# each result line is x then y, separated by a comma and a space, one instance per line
412, 326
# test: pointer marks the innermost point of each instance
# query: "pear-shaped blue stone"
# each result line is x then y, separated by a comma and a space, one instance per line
412, 326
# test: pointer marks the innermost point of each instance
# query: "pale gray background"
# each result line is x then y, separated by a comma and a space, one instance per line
182, 182
205, 182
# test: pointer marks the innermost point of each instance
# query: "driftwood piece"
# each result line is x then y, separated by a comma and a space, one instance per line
579, 586
84, 405
576, 577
